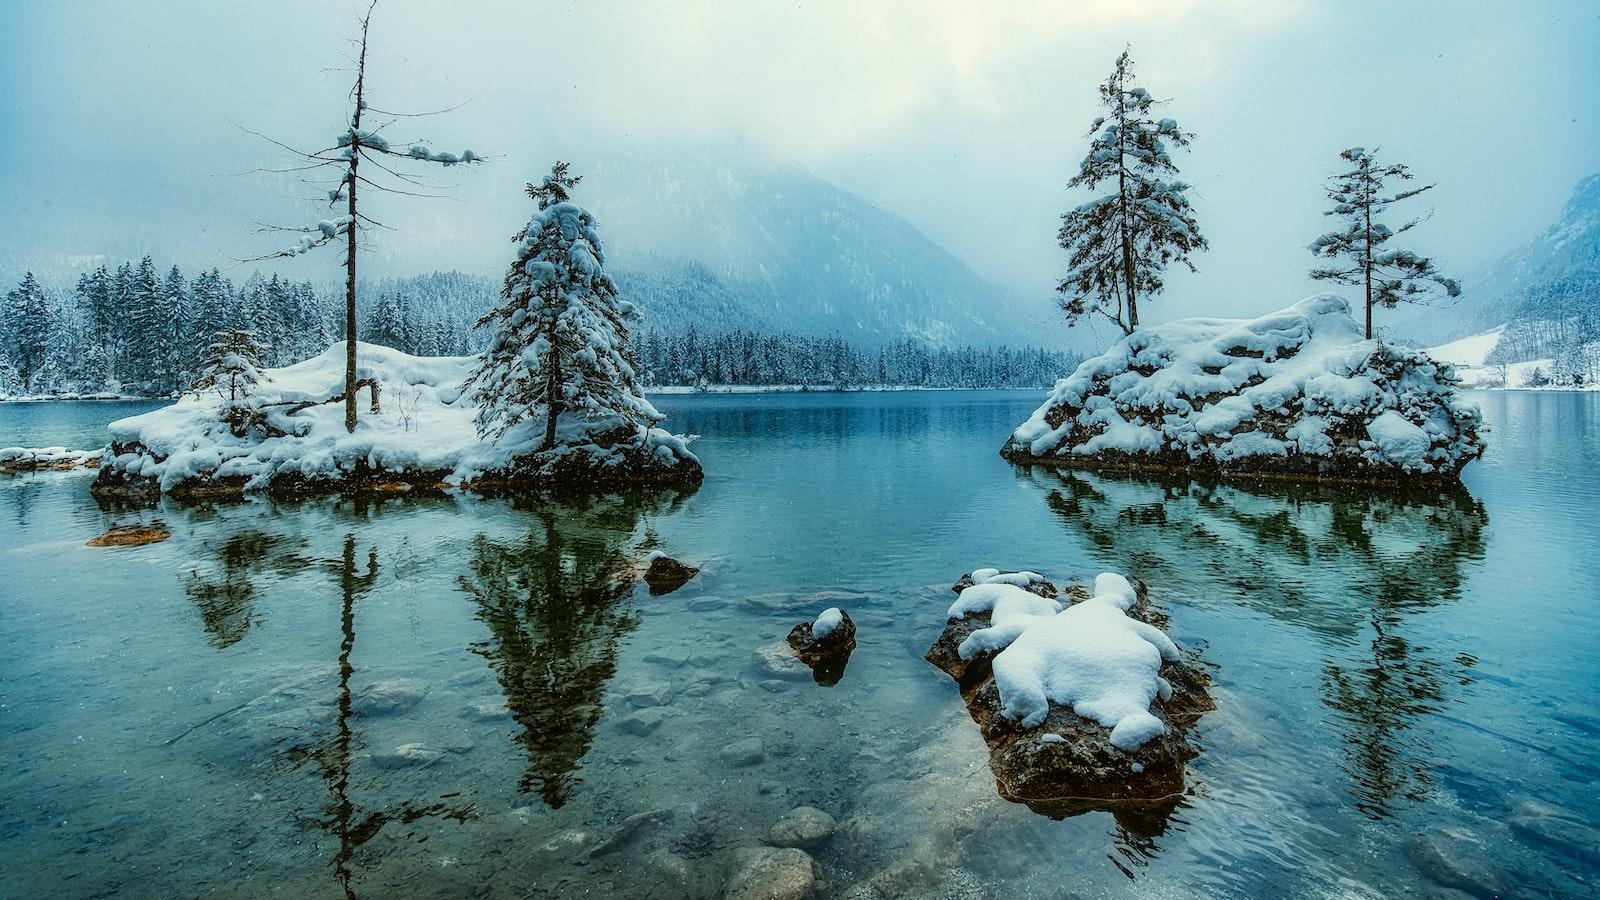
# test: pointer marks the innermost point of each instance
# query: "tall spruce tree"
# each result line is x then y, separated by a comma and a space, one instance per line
1121, 242
561, 339
1360, 194
28, 332
360, 140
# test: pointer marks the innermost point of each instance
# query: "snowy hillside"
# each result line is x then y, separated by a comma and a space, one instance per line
749, 244
1298, 392
1500, 291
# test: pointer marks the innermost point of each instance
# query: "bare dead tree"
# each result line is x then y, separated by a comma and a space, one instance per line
356, 144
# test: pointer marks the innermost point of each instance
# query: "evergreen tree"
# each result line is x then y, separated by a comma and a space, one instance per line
148, 325
28, 332
1359, 195
1121, 242
560, 339
232, 365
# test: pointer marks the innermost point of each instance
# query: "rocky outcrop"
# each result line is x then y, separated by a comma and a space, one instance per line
825, 645
1067, 764
1295, 394
666, 574
35, 459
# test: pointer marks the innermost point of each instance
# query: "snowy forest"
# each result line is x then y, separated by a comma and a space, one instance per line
133, 330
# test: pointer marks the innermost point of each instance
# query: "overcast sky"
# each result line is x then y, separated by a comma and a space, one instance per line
965, 118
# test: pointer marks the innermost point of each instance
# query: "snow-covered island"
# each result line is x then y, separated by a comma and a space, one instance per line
422, 436
1298, 393
553, 403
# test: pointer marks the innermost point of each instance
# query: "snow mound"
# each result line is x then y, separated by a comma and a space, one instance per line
423, 434
1298, 392
826, 623
1091, 656
26, 459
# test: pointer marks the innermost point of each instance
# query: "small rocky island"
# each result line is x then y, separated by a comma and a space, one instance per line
1296, 394
554, 402
1083, 701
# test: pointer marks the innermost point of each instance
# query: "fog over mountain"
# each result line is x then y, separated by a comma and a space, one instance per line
961, 121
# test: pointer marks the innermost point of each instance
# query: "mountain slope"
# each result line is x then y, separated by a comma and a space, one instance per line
1514, 285
769, 245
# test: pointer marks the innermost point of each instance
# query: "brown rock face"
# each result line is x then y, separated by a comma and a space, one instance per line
131, 536
666, 575
1067, 765
828, 656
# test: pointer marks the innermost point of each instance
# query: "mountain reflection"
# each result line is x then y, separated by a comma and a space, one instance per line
555, 599
1349, 563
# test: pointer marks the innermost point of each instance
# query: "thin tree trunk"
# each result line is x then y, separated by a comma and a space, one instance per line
552, 387
1367, 263
350, 240
1122, 200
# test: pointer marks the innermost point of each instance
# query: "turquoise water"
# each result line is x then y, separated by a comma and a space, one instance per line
219, 713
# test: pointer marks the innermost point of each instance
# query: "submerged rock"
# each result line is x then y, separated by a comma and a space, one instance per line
744, 752
1058, 762
1298, 394
628, 830
1455, 859
387, 698
406, 755
804, 827
765, 873
825, 644
666, 574
131, 536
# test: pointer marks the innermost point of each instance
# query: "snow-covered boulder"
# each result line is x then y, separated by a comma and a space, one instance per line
1296, 393
825, 644
291, 438
1083, 701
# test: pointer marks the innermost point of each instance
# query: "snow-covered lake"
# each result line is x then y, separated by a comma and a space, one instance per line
437, 697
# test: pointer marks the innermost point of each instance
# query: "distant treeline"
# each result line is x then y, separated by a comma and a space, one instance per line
693, 357
1559, 320
133, 330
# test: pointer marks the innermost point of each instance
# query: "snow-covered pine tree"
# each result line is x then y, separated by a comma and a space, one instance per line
560, 338
1121, 242
172, 367
359, 141
1359, 195
28, 331
147, 327
231, 365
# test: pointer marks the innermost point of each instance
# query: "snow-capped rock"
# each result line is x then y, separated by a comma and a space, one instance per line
1295, 393
422, 436
1083, 702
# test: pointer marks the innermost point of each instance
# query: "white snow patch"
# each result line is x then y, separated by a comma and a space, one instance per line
1091, 656
830, 619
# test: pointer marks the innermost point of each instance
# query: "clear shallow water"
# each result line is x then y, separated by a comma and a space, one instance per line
197, 716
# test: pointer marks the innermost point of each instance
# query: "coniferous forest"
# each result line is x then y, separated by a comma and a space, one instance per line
137, 330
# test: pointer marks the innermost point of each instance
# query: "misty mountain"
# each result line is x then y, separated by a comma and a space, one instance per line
1539, 281
772, 247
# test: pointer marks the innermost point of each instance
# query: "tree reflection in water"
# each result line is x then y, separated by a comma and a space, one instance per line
225, 591
557, 602
1353, 564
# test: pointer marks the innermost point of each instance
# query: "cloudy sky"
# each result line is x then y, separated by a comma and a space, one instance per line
965, 118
